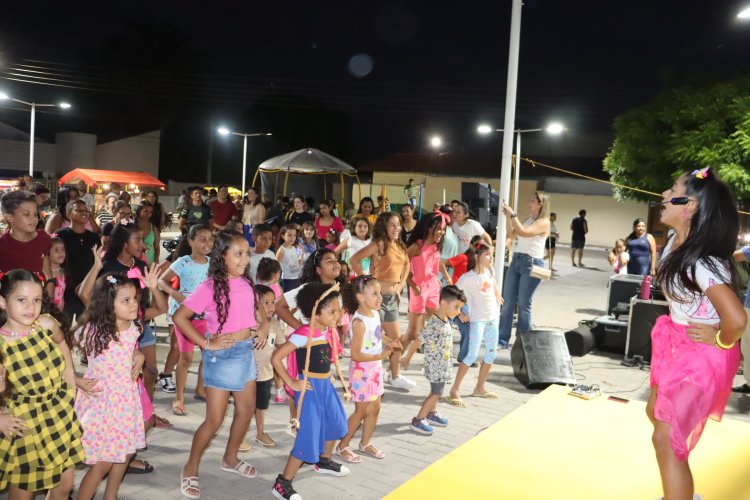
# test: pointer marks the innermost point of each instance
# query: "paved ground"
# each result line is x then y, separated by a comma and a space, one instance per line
572, 295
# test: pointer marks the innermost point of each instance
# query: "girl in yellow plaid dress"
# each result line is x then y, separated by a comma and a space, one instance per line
42, 440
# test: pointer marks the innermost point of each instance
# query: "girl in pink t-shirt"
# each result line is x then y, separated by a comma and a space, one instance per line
423, 248
226, 298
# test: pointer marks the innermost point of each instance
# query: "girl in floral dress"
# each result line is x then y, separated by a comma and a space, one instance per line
112, 419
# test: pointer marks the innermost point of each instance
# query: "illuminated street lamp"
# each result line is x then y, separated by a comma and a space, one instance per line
436, 141
554, 128
744, 14
226, 131
33, 106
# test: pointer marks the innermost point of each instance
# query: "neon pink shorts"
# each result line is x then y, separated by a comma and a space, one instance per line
185, 344
428, 299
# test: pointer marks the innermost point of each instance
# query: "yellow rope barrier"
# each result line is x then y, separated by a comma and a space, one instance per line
534, 163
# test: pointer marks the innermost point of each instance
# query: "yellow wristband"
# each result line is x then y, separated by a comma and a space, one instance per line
720, 344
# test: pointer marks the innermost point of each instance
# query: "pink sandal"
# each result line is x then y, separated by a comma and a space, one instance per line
370, 449
348, 455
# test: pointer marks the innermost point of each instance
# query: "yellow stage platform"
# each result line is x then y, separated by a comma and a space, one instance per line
558, 447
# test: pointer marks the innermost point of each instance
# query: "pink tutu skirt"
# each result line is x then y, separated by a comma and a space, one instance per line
694, 382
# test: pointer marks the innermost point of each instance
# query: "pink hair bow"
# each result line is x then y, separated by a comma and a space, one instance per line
135, 273
445, 218
701, 173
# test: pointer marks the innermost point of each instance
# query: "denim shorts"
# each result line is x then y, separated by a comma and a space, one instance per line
147, 337
230, 369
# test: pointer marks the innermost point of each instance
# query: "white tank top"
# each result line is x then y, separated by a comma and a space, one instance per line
372, 342
290, 268
533, 246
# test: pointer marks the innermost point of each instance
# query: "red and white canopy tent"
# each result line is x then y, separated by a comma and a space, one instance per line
93, 177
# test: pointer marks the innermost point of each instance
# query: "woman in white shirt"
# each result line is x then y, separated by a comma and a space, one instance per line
519, 285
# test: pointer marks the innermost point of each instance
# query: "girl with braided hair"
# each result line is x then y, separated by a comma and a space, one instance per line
235, 326
321, 419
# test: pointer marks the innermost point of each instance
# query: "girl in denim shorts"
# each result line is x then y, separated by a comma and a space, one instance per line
225, 298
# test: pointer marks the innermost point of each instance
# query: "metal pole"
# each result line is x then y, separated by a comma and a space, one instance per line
31, 140
244, 162
510, 117
517, 171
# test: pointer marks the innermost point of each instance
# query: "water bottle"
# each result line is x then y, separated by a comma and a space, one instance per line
646, 287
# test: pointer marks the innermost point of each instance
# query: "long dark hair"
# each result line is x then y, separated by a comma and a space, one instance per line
183, 247
158, 211
632, 235
8, 284
711, 240
63, 198
247, 201
309, 271
380, 232
217, 271
143, 204
363, 201
98, 322
424, 227
118, 239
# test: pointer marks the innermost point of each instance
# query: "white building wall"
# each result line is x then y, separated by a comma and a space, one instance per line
139, 153
14, 155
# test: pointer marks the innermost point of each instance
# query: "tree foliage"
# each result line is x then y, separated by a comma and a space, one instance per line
681, 130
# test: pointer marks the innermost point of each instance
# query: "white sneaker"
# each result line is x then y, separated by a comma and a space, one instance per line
402, 382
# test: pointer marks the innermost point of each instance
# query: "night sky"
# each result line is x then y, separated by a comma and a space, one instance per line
360, 80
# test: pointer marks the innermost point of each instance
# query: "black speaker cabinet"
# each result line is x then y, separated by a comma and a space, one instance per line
622, 288
580, 340
643, 315
541, 358
610, 334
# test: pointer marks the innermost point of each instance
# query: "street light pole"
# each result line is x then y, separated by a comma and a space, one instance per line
244, 162
226, 131
31, 140
33, 106
510, 117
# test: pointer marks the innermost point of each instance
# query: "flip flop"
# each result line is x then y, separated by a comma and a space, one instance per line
457, 402
179, 409
147, 468
198, 397
485, 395
239, 468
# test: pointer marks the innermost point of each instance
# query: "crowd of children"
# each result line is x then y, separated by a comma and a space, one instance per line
272, 324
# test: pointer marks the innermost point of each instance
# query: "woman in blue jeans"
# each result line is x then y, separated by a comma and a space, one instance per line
519, 286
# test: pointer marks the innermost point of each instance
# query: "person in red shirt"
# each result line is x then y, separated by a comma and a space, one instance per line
22, 246
224, 209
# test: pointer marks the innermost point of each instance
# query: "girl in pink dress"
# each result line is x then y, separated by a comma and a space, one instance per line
112, 418
694, 350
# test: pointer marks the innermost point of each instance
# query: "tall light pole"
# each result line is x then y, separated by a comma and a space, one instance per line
33, 106
553, 128
226, 131
510, 118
